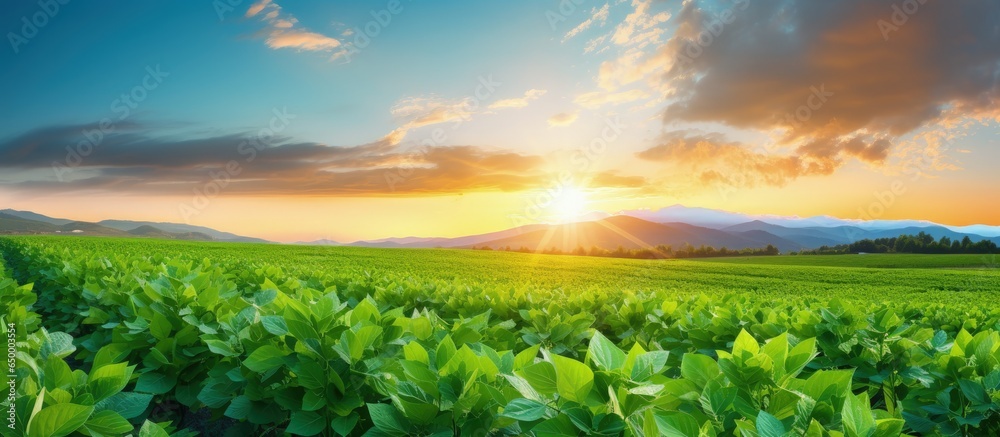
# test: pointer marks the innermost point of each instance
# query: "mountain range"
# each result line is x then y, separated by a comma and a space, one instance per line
675, 226
679, 225
27, 222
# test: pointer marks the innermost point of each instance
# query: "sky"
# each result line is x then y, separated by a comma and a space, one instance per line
369, 119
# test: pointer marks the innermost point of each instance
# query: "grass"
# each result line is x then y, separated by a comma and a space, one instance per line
949, 279
874, 260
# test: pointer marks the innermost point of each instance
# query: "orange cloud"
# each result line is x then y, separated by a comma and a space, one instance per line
711, 158
563, 119
518, 102
282, 32
596, 99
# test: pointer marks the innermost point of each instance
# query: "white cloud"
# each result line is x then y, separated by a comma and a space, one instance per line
597, 16
518, 102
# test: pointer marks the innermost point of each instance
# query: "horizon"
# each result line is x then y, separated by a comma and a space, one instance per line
350, 122
641, 214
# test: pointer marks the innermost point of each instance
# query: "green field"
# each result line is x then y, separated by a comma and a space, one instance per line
878, 260
116, 336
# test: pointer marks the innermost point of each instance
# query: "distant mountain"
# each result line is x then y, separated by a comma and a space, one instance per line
27, 222
448, 242
150, 231
28, 215
709, 218
718, 219
178, 228
323, 242
678, 225
10, 224
633, 233
92, 229
813, 237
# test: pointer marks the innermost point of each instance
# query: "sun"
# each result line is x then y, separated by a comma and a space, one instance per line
568, 204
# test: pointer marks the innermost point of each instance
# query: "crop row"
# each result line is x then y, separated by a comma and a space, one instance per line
308, 353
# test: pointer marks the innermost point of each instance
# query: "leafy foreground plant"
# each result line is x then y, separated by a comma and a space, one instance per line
276, 351
53, 400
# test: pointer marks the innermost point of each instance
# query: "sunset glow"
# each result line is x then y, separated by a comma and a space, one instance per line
366, 129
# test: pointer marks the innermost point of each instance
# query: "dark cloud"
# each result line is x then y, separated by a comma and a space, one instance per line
767, 63
843, 80
130, 159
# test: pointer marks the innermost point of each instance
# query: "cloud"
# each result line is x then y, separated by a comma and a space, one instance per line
518, 102
282, 31
711, 158
257, 7
946, 56
417, 112
596, 99
134, 160
829, 82
596, 16
640, 27
563, 119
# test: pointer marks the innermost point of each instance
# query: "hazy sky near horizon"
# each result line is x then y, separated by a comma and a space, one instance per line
368, 119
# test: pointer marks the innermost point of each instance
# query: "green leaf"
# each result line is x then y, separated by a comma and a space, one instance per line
604, 353
826, 384
526, 357
221, 347
344, 425
541, 376
745, 345
445, 350
676, 424
306, 423
888, 427
155, 383
108, 380
239, 408
974, 391
387, 419
558, 426
525, 410
311, 374
523, 387
109, 423
58, 420
265, 358
413, 351
800, 356
59, 344
769, 426
274, 324
857, 416
715, 398
160, 327
574, 379
150, 429
649, 364
129, 405
699, 369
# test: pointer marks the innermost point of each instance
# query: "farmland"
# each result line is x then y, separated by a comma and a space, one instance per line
117, 336
879, 260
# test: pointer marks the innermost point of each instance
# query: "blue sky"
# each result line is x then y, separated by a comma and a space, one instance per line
703, 96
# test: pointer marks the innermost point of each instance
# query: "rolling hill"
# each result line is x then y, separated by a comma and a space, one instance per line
633, 233
26, 222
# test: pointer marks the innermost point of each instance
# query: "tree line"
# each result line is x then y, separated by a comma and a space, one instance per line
660, 251
920, 243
